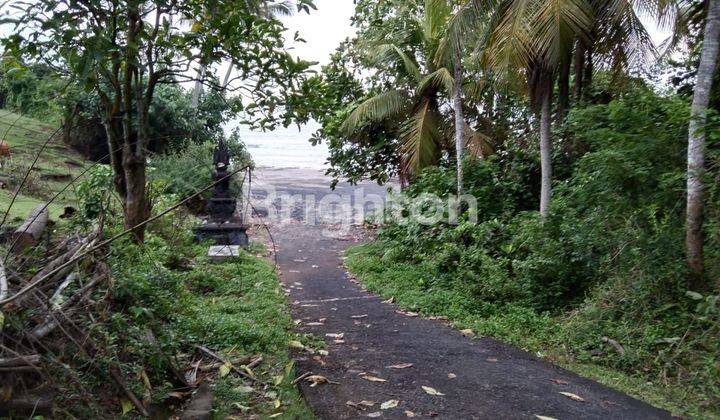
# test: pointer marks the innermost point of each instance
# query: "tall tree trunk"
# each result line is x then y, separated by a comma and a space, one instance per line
197, 90
578, 68
696, 145
459, 118
589, 71
137, 208
563, 90
545, 148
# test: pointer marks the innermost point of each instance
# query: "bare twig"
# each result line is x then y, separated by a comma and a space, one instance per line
3, 282
300, 378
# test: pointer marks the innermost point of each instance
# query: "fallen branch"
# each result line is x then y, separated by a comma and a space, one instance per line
131, 396
227, 362
3, 282
617, 346
29, 360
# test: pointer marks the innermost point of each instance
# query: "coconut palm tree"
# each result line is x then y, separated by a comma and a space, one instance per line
533, 42
696, 143
414, 101
425, 72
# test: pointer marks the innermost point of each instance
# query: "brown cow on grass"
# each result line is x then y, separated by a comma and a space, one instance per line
4, 151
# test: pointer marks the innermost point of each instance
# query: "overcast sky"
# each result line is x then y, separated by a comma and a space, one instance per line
323, 29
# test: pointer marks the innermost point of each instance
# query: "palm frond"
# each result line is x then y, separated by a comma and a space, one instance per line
435, 18
439, 79
623, 39
557, 24
421, 137
466, 20
511, 41
380, 107
478, 144
385, 55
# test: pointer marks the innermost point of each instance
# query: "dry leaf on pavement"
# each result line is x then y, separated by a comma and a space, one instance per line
573, 396
431, 391
400, 366
389, 404
373, 378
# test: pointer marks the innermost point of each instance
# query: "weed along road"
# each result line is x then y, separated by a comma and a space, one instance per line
379, 361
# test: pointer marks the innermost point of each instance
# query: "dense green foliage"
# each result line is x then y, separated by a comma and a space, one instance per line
187, 171
608, 262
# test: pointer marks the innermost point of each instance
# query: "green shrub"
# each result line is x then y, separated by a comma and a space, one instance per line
607, 262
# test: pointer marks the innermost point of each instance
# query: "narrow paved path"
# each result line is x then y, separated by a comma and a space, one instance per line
480, 379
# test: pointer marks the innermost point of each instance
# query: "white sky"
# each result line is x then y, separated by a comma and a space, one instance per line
323, 29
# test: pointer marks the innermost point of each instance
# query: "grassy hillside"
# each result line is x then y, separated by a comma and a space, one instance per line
57, 165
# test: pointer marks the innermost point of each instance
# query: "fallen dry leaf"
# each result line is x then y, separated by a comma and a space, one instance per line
315, 380
337, 336
544, 417
452, 376
389, 404
319, 379
339, 341
400, 366
373, 378
409, 413
468, 332
559, 381
375, 414
314, 324
358, 316
408, 313
323, 352
573, 397
367, 403
491, 359
431, 391
391, 300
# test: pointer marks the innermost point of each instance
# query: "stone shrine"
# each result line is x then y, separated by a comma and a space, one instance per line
222, 225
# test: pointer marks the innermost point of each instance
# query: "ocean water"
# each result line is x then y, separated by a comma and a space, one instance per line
285, 148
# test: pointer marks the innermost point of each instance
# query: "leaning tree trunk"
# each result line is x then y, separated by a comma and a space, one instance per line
459, 123
545, 149
696, 146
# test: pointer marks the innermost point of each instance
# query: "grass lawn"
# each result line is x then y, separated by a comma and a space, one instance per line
56, 166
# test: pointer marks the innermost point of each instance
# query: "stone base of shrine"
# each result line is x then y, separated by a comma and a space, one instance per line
229, 233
